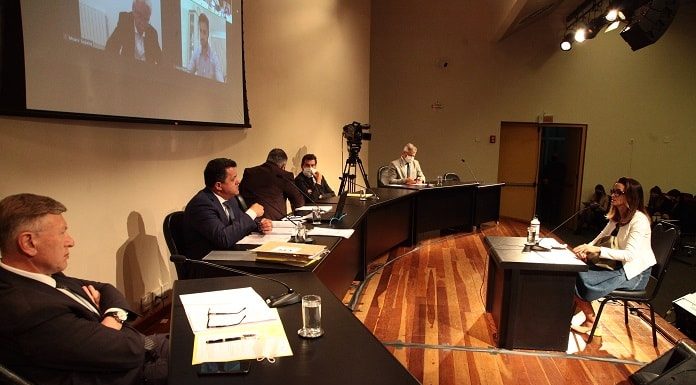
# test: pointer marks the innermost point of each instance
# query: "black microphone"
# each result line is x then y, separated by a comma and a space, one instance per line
300, 190
374, 193
470, 171
289, 298
566, 221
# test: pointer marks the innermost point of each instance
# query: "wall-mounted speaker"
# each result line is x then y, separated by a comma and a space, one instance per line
649, 23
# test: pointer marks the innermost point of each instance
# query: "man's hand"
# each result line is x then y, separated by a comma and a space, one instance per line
317, 177
93, 294
266, 225
410, 181
258, 209
111, 322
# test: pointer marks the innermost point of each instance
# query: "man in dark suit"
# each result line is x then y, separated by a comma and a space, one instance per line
56, 329
213, 219
134, 36
310, 180
270, 185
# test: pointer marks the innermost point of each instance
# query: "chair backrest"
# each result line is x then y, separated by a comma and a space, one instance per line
9, 377
242, 203
665, 237
451, 176
173, 234
380, 173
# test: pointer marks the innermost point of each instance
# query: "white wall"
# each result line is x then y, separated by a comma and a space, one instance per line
307, 75
647, 95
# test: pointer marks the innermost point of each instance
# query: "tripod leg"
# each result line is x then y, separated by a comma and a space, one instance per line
362, 172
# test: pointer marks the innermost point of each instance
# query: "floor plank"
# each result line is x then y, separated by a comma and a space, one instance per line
427, 306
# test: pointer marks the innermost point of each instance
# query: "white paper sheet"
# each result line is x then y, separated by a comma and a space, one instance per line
345, 233
260, 239
248, 305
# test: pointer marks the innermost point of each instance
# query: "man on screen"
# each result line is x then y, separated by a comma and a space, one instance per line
134, 36
205, 61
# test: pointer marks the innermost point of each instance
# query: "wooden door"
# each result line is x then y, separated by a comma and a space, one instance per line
518, 168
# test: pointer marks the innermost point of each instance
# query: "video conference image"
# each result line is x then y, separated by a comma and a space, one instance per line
136, 58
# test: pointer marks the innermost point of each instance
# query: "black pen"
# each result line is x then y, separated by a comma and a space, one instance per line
230, 339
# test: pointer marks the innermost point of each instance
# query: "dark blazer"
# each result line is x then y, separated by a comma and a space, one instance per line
312, 189
49, 338
122, 40
208, 228
270, 186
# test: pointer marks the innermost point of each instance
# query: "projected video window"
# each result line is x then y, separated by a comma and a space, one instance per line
136, 58
204, 39
127, 28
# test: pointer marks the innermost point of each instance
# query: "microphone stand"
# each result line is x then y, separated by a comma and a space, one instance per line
290, 297
537, 247
374, 193
470, 171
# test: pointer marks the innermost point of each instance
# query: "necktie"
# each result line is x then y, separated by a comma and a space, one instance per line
230, 213
408, 170
76, 290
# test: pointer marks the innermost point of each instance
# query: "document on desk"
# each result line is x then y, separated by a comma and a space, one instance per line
322, 208
215, 309
261, 239
345, 233
234, 324
245, 341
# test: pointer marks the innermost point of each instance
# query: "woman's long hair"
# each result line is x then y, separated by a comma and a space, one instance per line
634, 199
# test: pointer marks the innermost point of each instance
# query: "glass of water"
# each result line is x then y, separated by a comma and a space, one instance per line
316, 216
311, 317
439, 180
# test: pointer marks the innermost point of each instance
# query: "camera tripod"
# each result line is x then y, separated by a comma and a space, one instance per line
353, 163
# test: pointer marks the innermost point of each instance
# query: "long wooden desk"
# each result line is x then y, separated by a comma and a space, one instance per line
530, 295
396, 217
346, 354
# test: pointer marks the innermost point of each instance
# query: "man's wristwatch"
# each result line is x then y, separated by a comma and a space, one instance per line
119, 315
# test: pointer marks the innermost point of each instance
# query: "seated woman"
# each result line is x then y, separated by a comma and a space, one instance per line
629, 233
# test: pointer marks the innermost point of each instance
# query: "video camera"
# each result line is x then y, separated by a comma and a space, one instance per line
354, 134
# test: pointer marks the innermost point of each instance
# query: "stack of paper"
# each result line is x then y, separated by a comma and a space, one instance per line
234, 324
295, 254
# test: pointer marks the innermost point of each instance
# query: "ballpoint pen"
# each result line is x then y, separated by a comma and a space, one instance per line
230, 339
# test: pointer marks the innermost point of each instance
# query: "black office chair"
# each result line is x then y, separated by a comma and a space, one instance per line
242, 203
173, 232
11, 378
380, 174
451, 176
665, 237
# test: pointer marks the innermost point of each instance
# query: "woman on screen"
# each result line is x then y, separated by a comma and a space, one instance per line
621, 256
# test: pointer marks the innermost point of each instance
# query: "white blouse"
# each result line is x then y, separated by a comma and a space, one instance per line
635, 250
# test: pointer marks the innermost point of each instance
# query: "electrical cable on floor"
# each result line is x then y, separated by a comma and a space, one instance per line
352, 304
492, 350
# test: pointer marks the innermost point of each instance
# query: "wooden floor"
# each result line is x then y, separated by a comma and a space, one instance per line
427, 307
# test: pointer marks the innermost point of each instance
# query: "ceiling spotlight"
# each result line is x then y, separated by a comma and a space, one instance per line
612, 26
580, 35
567, 42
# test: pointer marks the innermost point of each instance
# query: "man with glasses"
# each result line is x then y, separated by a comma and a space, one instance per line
405, 170
56, 329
